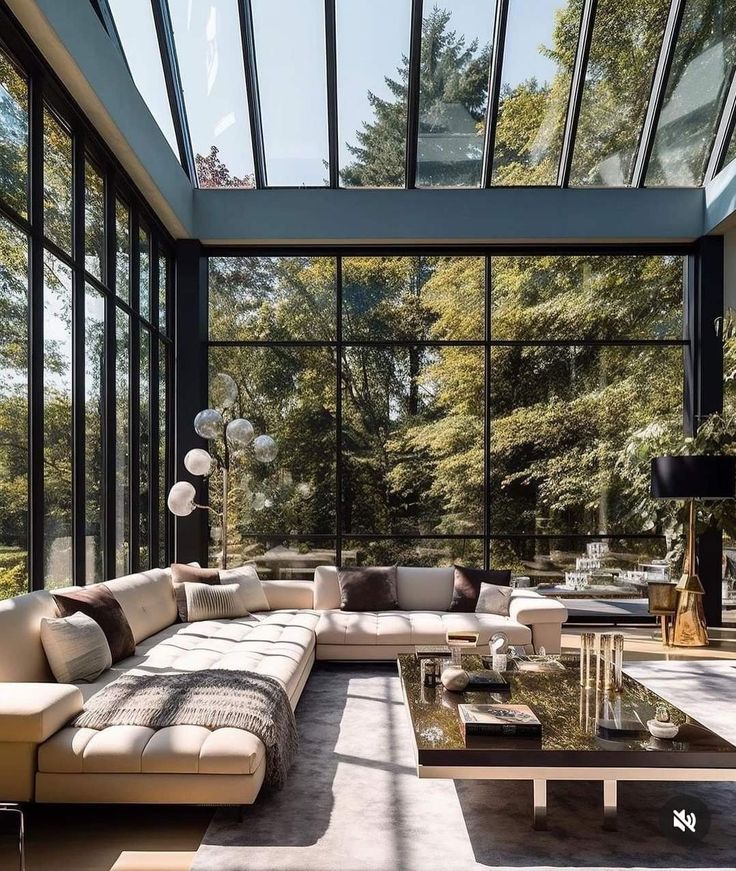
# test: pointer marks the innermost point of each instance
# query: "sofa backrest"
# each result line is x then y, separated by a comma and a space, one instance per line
21, 652
418, 588
147, 600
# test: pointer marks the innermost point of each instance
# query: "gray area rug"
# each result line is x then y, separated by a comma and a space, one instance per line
354, 803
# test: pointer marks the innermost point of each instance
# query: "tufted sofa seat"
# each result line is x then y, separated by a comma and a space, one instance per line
42, 758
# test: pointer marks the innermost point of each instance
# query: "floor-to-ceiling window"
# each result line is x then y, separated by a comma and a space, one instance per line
432, 409
85, 347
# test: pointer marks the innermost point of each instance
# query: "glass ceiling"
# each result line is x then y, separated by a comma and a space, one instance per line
453, 93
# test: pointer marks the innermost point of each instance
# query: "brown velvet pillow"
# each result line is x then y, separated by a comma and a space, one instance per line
467, 586
182, 573
98, 602
368, 588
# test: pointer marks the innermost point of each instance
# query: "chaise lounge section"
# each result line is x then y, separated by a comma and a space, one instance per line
43, 759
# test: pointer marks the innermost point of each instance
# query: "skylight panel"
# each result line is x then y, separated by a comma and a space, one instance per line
538, 57
289, 40
372, 47
453, 92
137, 31
623, 55
210, 54
701, 72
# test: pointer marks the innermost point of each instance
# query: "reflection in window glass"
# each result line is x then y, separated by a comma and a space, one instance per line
279, 559
122, 443
277, 298
94, 415
13, 136
162, 454
544, 562
57, 422
431, 552
371, 91
57, 182
137, 31
13, 410
144, 274
288, 393
94, 221
163, 292
210, 53
453, 93
561, 418
413, 298
538, 57
586, 297
122, 250
701, 72
412, 440
144, 471
623, 55
290, 54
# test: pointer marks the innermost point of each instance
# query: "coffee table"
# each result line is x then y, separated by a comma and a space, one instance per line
575, 744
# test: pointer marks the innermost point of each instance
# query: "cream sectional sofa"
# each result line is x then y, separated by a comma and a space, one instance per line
43, 759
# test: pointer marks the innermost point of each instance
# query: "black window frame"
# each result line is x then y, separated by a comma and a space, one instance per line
45, 89
692, 345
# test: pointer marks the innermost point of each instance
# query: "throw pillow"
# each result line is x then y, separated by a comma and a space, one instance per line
75, 647
467, 586
368, 588
187, 573
251, 588
97, 602
494, 599
214, 602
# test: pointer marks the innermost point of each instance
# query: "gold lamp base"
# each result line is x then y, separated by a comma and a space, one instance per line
690, 629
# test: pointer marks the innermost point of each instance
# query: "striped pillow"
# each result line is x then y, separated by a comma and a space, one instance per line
214, 602
75, 647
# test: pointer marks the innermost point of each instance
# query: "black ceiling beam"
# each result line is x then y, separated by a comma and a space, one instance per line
165, 36
247, 39
412, 97
332, 130
723, 135
656, 96
577, 82
494, 89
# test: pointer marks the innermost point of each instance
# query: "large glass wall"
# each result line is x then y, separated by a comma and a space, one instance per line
439, 409
83, 450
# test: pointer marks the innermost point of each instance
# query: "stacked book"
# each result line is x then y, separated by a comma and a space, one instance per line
499, 721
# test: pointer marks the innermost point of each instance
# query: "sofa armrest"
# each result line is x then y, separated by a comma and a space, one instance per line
33, 712
288, 595
529, 608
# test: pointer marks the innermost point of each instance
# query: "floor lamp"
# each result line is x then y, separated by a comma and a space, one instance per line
691, 478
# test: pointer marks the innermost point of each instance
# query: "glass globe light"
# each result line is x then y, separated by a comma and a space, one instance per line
181, 499
208, 423
240, 432
198, 462
265, 449
304, 489
223, 391
259, 501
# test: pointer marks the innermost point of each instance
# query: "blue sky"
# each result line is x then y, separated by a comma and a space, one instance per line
290, 49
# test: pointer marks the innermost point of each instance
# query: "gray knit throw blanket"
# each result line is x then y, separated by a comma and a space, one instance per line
214, 699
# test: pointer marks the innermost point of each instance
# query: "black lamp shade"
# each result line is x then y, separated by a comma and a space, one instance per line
694, 477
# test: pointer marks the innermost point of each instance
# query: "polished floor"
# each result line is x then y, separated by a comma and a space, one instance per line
120, 838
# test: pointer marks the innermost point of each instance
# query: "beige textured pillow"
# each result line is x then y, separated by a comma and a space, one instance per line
250, 585
214, 602
75, 647
494, 600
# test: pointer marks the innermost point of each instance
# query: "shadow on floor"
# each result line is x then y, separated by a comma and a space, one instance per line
498, 819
